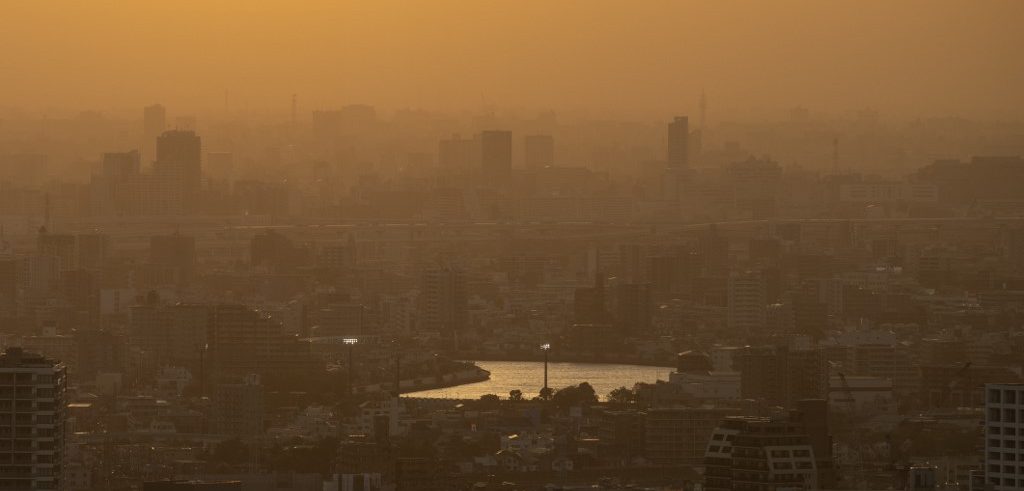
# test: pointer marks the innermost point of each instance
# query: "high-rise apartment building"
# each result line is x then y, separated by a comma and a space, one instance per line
32, 414
1004, 436
443, 301
746, 302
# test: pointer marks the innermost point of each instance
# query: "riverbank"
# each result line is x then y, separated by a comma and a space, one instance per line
528, 378
453, 379
593, 358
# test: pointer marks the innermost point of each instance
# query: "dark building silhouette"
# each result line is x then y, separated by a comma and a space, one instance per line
176, 252
794, 452
539, 150
781, 376
457, 153
178, 157
679, 143
496, 153
443, 301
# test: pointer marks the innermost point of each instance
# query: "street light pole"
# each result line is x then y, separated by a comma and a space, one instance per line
202, 370
545, 348
351, 342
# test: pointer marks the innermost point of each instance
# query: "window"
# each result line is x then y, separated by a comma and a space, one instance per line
993, 414
1010, 397
994, 396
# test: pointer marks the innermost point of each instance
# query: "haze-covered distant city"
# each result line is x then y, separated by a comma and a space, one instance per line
331, 246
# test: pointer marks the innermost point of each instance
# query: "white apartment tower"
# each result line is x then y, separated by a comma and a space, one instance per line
32, 415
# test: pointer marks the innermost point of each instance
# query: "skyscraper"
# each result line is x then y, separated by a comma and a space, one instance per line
496, 153
679, 143
32, 411
539, 150
178, 155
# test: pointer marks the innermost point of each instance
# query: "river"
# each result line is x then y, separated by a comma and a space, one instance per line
528, 376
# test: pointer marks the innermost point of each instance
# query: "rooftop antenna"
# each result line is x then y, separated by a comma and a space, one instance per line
295, 106
46, 211
835, 155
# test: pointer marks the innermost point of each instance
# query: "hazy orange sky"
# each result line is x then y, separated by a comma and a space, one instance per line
649, 58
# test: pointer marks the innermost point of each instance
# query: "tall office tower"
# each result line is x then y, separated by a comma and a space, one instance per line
170, 335
496, 153
32, 411
457, 153
61, 246
746, 312
1004, 436
539, 150
178, 155
120, 165
679, 143
782, 377
443, 301
154, 121
772, 454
